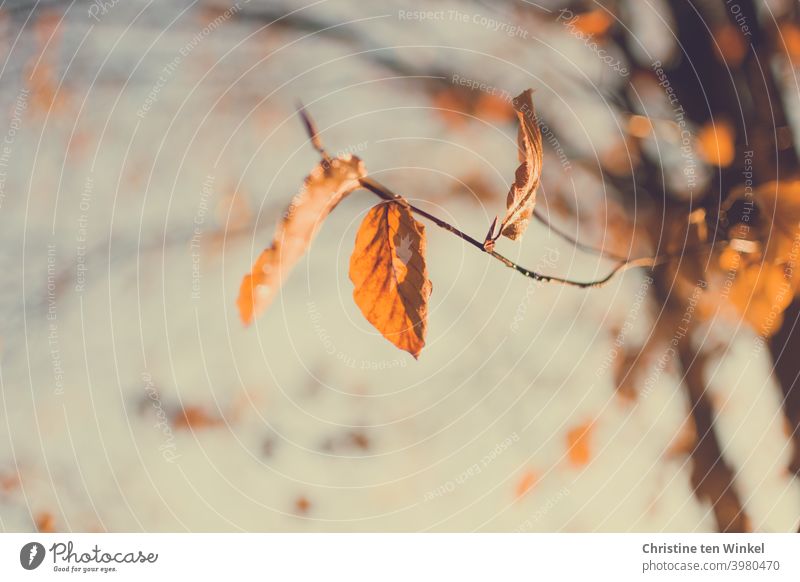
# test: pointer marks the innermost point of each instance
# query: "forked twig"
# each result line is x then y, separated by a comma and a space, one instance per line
385, 193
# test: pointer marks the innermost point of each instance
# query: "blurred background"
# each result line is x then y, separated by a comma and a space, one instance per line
150, 148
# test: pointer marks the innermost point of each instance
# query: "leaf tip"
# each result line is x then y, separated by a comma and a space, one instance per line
311, 129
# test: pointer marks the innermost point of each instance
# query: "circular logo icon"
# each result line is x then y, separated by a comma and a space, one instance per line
31, 555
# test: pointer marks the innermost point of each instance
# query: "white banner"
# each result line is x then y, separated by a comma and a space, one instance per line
401, 557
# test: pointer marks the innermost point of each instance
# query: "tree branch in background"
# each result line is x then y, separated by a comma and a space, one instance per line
712, 479
784, 347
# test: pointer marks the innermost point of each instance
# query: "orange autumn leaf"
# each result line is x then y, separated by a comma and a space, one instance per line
640, 126
389, 275
493, 108
522, 195
9, 483
302, 505
715, 143
233, 210
452, 106
525, 483
457, 106
579, 444
47, 26
194, 417
595, 22
45, 522
789, 41
324, 188
43, 85
729, 45
42, 78
622, 156
753, 277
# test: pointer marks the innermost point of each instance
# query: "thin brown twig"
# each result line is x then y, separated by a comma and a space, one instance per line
624, 264
311, 130
575, 242
386, 194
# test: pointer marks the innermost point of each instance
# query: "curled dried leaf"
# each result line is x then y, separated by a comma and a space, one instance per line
323, 189
390, 277
522, 195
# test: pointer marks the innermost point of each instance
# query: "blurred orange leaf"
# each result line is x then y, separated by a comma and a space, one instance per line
522, 195
9, 482
43, 83
45, 522
730, 45
640, 126
453, 106
302, 505
493, 107
194, 417
456, 105
526, 483
594, 22
324, 188
388, 270
755, 273
715, 143
790, 37
622, 156
579, 445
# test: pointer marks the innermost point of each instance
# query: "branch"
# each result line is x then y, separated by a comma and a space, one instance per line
570, 239
783, 345
712, 478
386, 194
